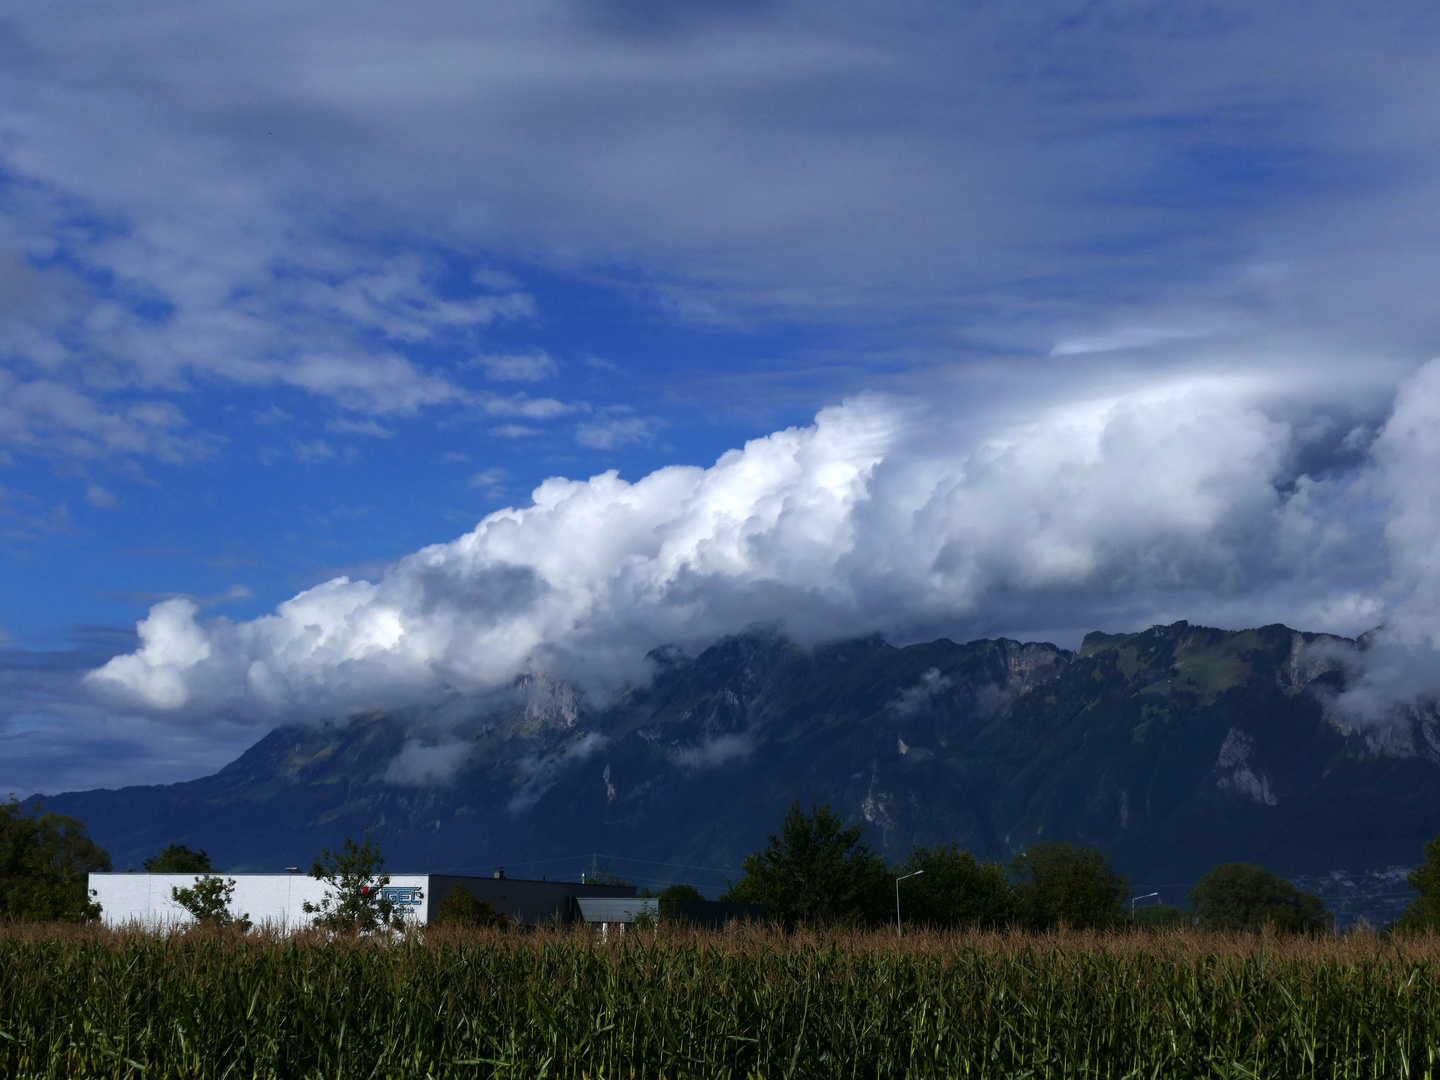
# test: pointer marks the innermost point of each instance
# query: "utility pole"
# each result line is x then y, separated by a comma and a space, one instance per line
902, 877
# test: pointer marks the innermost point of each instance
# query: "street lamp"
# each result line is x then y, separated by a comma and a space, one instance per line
1147, 896
899, 879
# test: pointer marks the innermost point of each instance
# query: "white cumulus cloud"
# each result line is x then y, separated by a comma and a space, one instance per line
882, 515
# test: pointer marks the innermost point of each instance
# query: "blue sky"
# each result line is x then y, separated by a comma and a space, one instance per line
288, 295
278, 491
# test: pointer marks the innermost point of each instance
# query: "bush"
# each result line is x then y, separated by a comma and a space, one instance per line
209, 899
355, 898
673, 895
178, 859
954, 889
1424, 911
1162, 917
45, 863
1243, 896
816, 871
1059, 884
461, 908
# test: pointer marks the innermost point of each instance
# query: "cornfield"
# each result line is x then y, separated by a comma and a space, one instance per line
745, 1004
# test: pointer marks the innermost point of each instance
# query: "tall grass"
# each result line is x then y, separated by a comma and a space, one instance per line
77, 1002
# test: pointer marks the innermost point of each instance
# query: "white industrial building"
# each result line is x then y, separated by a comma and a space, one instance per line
270, 900
277, 901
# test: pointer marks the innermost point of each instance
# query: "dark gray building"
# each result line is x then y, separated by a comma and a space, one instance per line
530, 903
559, 903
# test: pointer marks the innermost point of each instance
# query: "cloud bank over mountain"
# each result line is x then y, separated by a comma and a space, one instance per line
1214, 496
1402, 663
1065, 316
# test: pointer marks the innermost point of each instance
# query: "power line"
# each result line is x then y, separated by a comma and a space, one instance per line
585, 859
682, 866
521, 862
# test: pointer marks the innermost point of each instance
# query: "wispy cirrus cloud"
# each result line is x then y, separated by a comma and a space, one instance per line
514, 431
608, 432
534, 366
347, 426
1031, 178
522, 405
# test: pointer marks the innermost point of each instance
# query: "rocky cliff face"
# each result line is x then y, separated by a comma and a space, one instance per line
1172, 749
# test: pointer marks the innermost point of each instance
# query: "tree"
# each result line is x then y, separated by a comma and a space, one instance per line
209, 900
1243, 896
954, 889
1424, 911
1162, 917
816, 871
672, 896
45, 860
178, 859
355, 897
1058, 884
461, 908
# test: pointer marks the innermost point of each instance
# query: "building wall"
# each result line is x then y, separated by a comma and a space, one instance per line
608, 909
270, 900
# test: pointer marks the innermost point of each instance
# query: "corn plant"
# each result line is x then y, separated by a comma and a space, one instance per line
672, 1003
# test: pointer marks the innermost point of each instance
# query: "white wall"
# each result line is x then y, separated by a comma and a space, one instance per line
272, 900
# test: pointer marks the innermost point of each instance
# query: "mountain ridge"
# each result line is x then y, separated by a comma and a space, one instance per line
1172, 749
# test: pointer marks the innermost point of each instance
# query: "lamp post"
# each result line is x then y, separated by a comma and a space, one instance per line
1147, 896
899, 879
